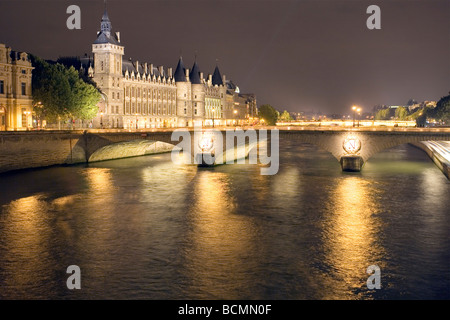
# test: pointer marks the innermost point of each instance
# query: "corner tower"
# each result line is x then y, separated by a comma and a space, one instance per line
108, 54
198, 93
184, 89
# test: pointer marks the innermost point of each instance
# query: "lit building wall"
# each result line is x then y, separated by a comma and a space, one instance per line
15, 90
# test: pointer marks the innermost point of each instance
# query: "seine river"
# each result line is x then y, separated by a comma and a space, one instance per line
146, 228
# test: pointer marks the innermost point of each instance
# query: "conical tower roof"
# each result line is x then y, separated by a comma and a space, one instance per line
180, 72
217, 77
195, 74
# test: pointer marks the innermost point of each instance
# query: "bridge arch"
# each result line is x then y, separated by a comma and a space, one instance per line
371, 142
127, 149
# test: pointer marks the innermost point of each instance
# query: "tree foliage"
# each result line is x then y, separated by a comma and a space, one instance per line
442, 110
285, 116
401, 113
269, 114
382, 114
60, 93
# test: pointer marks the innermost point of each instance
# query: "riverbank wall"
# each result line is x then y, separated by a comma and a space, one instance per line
435, 155
24, 150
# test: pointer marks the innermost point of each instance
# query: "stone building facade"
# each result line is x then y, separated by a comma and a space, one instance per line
15, 90
140, 95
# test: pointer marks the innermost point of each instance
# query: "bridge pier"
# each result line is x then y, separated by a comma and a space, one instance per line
352, 163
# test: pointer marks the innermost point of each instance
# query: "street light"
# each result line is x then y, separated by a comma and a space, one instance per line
359, 115
235, 115
26, 118
101, 120
354, 114
213, 110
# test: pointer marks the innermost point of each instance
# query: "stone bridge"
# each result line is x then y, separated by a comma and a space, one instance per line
352, 148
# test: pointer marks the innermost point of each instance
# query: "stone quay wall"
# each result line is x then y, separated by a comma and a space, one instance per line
23, 150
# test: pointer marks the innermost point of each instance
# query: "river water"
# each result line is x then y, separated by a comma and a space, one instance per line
146, 228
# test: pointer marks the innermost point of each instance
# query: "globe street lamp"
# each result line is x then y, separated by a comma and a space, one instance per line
101, 120
213, 110
235, 116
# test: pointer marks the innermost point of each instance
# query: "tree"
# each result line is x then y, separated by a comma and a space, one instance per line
269, 114
401, 113
442, 110
60, 94
285, 116
415, 115
382, 114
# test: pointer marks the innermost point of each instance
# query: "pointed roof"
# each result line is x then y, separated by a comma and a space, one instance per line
180, 72
195, 74
105, 35
217, 77
105, 16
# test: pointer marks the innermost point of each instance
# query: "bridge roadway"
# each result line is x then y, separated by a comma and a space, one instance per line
351, 147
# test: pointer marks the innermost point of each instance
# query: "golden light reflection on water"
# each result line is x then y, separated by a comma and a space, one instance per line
350, 234
286, 185
25, 235
220, 240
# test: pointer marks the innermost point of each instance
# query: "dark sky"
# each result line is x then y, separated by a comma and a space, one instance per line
296, 55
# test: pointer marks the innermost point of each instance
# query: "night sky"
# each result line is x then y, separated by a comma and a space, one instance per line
295, 55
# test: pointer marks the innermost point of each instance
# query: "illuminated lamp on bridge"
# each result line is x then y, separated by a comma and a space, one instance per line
351, 161
206, 145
